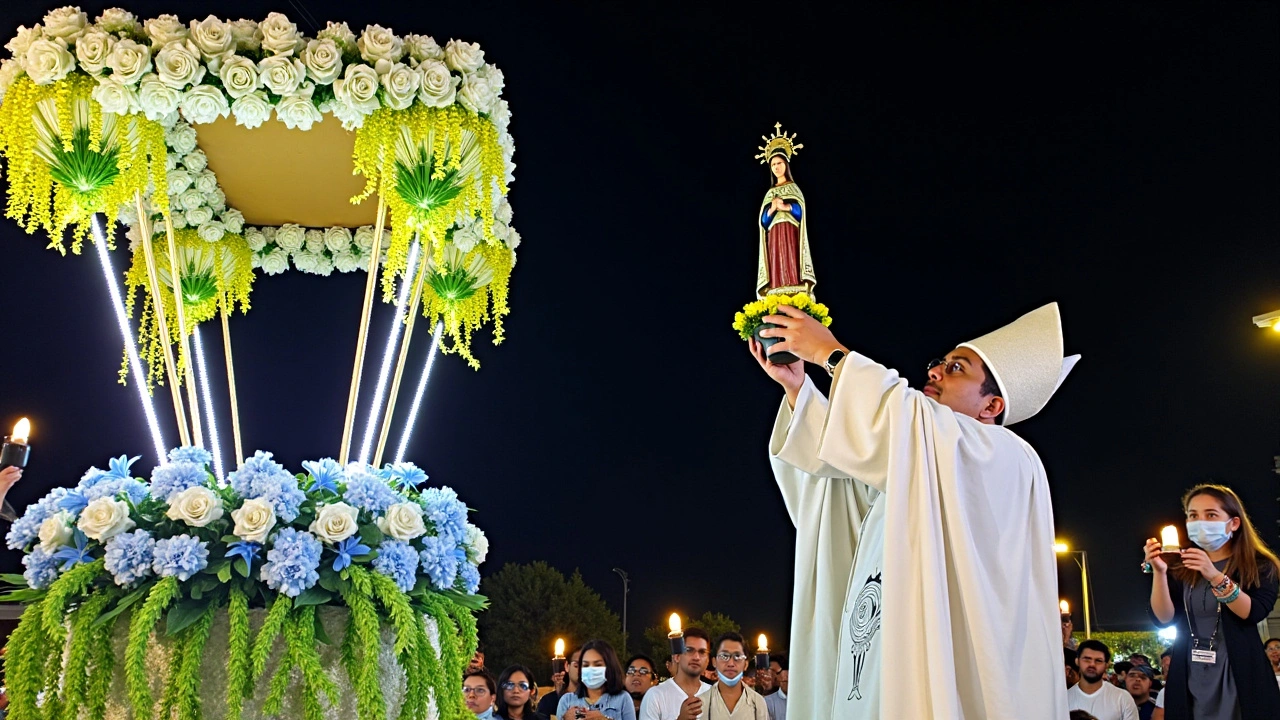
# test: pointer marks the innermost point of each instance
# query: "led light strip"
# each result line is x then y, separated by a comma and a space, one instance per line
208, 407
417, 394
135, 364
375, 411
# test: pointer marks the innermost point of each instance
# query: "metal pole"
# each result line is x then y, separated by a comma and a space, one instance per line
1084, 584
626, 590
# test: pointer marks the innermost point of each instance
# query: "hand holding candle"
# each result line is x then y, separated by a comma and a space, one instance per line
1169, 539
16, 450
1064, 608
676, 636
762, 653
557, 660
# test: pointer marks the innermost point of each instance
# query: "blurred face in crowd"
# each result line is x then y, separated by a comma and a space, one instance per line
517, 689
1138, 685
779, 674
571, 667
477, 661
731, 659
640, 676
749, 678
476, 693
697, 655
1073, 676
1273, 653
1166, 659
1093, 665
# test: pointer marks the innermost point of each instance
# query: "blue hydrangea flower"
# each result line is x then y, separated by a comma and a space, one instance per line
26, 529
398, 561
191, 454
367, 491
180, 556
439, 561
405, 474
347, 550
469, 576
262, 477
325, 475
42, 568
129, 556
109, 486
446, 512
172, 478
292, 562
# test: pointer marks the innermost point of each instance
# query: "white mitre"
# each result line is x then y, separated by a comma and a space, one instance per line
1025, 357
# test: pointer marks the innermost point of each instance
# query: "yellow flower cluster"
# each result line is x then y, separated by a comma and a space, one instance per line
754, 312
463, 317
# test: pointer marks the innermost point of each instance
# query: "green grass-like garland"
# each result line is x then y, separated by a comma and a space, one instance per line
239, 664
137, 679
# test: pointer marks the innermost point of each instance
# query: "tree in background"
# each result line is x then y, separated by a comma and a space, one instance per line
655, 637
1124, 644
532, 605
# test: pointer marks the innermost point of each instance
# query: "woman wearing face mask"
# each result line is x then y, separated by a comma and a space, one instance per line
1223, 589
601, 694
516, 691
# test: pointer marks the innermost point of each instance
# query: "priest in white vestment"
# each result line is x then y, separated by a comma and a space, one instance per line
925, 579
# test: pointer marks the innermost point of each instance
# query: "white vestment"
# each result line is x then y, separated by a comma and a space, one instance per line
967, 625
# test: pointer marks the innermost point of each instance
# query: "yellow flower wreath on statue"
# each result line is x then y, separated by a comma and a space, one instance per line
753, 313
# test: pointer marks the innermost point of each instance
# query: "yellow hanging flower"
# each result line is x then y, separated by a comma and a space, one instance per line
754, 312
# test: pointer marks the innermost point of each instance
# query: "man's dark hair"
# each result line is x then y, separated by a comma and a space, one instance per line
1081, 715
1096, 646
1069, 658
991, 388
1168, 652
640, 656
1139, 656
780, 658
488, 679
1265, 644
697, 632
1123, 667
728, 637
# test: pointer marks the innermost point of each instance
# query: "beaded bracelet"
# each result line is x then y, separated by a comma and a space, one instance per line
1223, 584
1227, 600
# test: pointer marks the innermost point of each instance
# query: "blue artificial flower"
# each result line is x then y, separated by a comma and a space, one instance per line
91, 477
398, 561
292, 562
173, 477
469, 576
129, 556
405, 474
191, 454
348, 549
26, 529
119, 467
42, 568
262, 477
439, 561
367, 491
248, 551
72, 556
325, 475
180, 556
73, 502
109, 486
446, 512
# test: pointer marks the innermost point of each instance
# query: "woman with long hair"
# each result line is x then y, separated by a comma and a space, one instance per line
1216, 595
516, 694
601, 694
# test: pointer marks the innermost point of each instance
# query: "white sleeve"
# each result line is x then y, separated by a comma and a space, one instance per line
1160, 697
649, 709
1129, 708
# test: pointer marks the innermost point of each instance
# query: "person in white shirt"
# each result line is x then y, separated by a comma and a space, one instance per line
1093, 694
680, 697
730, 698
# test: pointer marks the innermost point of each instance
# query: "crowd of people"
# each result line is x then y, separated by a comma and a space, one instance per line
713, 679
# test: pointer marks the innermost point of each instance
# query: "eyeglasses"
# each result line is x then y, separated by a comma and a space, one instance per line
951, 368
508, 685
697, 652
639, 671
475, 690
726, 657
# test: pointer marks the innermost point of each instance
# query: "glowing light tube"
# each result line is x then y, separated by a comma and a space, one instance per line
135, 364
208, 407
375, 409
417, 394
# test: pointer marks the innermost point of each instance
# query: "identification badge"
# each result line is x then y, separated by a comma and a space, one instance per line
1204, 656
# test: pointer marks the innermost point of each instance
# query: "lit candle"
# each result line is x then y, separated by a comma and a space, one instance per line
1064, 607
676, 636
762, 653
557, 660
1169, 539
16, 450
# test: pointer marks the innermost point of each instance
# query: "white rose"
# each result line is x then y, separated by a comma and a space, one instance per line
439, 87
212, 37
179, 181
216, 200
358, 88
56, 531
279, 36
346, 263
195, 161
496, 79
178, 64
466, 238
204, 104
239, 76
378, 43
403, 521
254, 520
298, 111
323, 59
93, 50
335, 523
211, 231
476, 94
115, 20
47, 61
196, 506
251, 110
105, 518
282, 74
246, 34
503, 212
323, 266
338, 240
67, 23
9, 72
23, 39
307, 262
206, 181
501, 115
290, 237
190, 199
363, 238
422, 47
114, 96
314, 241
463, 56
198, 216
157, 99
129, 62
341, 34
179, 219
234, 220
399, 85
274, 262
255, 239
513, 239
164, 30
182, 138
478, 543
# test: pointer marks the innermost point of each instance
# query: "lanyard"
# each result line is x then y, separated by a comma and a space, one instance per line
1191, 621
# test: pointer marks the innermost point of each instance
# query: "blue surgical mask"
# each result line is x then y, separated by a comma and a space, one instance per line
730, 681
1208, 534
592, 677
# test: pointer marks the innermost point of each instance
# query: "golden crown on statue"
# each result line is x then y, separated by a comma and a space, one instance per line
777, 144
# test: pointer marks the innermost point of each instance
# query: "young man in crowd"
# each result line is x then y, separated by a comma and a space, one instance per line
1138, 682
1093, 693
1073, 670
477, 660
562, 684
642, 675
479, 691
1120, 672
681, 696
730, 698
749, 677
777, 702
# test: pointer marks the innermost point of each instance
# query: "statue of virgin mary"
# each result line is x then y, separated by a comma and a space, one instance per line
785, 265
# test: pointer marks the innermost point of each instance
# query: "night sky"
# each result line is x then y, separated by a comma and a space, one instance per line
962, 167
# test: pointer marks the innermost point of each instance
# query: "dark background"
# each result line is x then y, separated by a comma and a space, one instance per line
963, 166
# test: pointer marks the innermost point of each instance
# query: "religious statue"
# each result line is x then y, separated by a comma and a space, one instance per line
785, 265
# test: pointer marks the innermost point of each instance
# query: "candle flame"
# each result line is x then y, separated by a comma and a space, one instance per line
1169, 536
764, 643
21, 432
559, 647
1064, 607
674, 623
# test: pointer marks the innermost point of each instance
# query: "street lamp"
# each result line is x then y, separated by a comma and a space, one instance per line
626, 589
1061, 548
1268, 320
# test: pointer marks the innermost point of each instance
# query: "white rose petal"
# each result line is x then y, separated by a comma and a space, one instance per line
346, 263
422, 47
501, 116
403, 521
47, 61
190, 199
179, 181
378, 43
23, 39
115, 20
323, 59
439, 87
466, 238
199, 216
497, 80
513, 239
503, 212
211, 231
93, 50
114, 96
179, 219
477, 94
56, 531
195, 161
254, 519
212, 37
204, 104
358, 88
66, 23
279, 36
478, 543
307, 262
338, 240
239, 76
363, 238
165, 29
314, 241
246, 34
9, 72
251, 110
290, 237
157, 99
196, 506
255, 239
335, 523
178, 64
399, 85
463, 56
341, 34
234, 220
281, 74
298, 111
216, 200
129, 62
105, 518
274, 262
206, 181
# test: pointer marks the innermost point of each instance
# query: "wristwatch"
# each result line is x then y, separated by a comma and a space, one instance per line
833, 360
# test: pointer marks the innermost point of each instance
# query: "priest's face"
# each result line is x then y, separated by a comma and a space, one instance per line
961, 382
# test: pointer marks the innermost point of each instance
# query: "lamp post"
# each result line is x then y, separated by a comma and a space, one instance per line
1061, 548
626, 589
